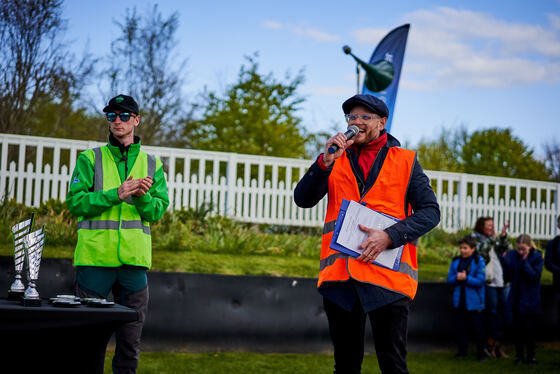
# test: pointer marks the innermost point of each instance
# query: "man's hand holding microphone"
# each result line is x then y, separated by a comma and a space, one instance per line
338, 143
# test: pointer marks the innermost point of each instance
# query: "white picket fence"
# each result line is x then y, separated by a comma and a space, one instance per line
259, 189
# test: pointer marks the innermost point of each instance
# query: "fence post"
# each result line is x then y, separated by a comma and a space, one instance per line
557, 206
462, 190
4, 169
20, 173
231, 183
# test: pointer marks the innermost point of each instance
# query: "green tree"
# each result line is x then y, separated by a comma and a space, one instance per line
36, 68
256, 115
443, 153
62, 120
498, 152
141, 66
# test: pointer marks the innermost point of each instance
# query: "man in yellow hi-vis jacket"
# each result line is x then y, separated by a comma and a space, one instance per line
116, 191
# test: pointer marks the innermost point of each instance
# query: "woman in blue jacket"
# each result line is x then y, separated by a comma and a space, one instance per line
523, 268
467, 276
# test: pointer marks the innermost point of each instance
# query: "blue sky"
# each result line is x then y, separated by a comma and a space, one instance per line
477, 63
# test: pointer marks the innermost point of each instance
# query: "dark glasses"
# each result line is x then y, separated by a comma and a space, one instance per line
112, 117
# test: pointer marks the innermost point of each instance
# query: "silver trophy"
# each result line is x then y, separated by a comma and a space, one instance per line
33, 243
18, 232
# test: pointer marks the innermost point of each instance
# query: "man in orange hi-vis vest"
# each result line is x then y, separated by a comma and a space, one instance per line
371, 169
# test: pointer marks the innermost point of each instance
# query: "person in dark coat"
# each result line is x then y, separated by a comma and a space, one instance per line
523, 268
467, 276
552, 264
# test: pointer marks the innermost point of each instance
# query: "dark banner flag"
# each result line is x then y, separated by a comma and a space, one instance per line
384, 68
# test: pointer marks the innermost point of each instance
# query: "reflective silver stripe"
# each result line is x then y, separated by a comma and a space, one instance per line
98, 171
98, 225
408, 270
113, 225
331, 259
328, 227
151, 166
403, 267
137, 224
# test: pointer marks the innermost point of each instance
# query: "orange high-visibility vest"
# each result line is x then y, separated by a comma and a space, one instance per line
387, 195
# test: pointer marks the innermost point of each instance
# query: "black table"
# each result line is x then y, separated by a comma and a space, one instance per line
57, 339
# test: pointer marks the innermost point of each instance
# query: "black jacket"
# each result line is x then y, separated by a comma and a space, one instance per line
552, 261
525, 276
426, 215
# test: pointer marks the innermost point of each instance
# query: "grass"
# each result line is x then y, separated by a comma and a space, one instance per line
255, 363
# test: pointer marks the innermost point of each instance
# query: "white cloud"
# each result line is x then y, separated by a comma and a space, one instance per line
271, 25
554, 20
315, 34
369, 36
344, 90
448, 47
484, 72
309, 32
431, 85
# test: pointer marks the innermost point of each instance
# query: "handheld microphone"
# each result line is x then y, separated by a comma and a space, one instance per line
350, 133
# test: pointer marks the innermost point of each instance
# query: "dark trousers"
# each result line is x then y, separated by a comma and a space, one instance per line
524, 335
465, 321
557, 300
347, 329
127, 337
495, 315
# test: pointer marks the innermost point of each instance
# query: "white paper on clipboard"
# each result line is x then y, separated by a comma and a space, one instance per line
350, 235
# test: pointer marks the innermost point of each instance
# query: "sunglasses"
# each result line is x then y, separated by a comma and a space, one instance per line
112, 117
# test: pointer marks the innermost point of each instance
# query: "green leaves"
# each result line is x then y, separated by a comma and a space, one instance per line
498, 152
494, 151
256, 115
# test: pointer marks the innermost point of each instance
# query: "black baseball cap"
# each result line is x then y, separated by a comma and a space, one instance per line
122, 102
371, 102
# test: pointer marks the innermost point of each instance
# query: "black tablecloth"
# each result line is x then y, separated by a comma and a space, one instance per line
57, 339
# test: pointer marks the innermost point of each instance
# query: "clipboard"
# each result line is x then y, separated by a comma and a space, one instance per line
392, 257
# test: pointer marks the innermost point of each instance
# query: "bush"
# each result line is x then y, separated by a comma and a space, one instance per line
191, 230
11, 213
439, 247
59, 224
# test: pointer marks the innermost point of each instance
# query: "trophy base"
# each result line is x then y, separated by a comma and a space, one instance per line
30, 302
15, 295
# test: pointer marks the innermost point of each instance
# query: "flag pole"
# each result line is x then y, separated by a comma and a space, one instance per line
357, 78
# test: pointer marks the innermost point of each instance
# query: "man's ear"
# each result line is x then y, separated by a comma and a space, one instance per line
383, 122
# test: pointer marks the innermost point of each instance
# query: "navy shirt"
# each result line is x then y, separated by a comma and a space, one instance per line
346, 294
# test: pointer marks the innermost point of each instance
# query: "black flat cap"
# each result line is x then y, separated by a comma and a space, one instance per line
122, 102
372, 103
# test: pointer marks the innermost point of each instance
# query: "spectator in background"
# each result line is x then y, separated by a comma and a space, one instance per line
491, 247
467, 276
552, 264
523, 268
